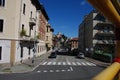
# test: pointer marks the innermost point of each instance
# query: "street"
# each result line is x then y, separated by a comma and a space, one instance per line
63, 67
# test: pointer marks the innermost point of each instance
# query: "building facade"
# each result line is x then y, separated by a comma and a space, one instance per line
20, 30
96, 34
49, 37
74, 43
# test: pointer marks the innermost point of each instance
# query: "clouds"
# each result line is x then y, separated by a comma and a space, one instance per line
83, 2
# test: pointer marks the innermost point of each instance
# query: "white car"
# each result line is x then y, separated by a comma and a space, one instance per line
80, 55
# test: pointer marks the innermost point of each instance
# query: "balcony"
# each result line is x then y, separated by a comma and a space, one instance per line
27, 41
32, 22
105, 42
99, 17
105, 34
104, 25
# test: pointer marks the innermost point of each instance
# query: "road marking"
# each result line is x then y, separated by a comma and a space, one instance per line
68, 70
51, 70
44, 63
88, 63
45, 71
49, 63
63, 70
64, 63
57, 70
71, 68
59, 63
78, 63
83, 63
73, 63
93, 64
38, 71
54, 63
68, 63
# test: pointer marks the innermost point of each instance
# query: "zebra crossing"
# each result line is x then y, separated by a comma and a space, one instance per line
68, 63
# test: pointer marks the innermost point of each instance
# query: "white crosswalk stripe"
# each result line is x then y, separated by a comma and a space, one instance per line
64, 63
69, 63
83, 63
54, 63
73, 63
49, 63
59, 63
44, 63
78, 63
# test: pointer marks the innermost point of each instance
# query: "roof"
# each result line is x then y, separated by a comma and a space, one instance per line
39, 6
74, 39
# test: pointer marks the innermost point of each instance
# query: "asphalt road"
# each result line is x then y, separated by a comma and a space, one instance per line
61, 68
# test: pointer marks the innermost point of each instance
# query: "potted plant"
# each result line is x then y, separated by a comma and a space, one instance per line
23, 33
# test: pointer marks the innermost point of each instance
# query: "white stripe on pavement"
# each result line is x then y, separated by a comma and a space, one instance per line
59, 63
64, 63
74, 63
49, 63
44, 63
78, 63
83, 63
68, 63
54, 63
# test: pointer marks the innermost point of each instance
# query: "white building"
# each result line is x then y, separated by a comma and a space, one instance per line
19, 25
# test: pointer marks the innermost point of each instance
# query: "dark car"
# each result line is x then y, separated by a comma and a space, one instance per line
74, 52
80, 55
53, 54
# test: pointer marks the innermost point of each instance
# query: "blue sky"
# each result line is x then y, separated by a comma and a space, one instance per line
66, 15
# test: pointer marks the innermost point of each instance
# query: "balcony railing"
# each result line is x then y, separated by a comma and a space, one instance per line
32, 21
105, 33
105, 42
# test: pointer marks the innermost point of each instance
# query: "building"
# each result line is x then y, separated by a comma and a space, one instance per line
59, 40
20, 29
74, 43
43, 22
96, 34
49, 37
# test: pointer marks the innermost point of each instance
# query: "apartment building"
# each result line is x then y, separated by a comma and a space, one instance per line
49, 37
74, 43
96, 34
20, 30
43, 21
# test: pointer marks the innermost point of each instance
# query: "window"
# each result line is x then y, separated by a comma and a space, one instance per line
46, 38
0, 53
21, 55
24, 6
1, 25
47, 29
31, 14
2, 2
22, 26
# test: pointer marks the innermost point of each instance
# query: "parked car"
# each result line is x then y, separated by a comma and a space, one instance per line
74, 52
80, 55
53, 54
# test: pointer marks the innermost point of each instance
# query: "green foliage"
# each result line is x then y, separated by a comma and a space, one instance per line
23, 32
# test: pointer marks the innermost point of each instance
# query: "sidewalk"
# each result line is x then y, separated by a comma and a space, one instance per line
26, 66
97, 62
